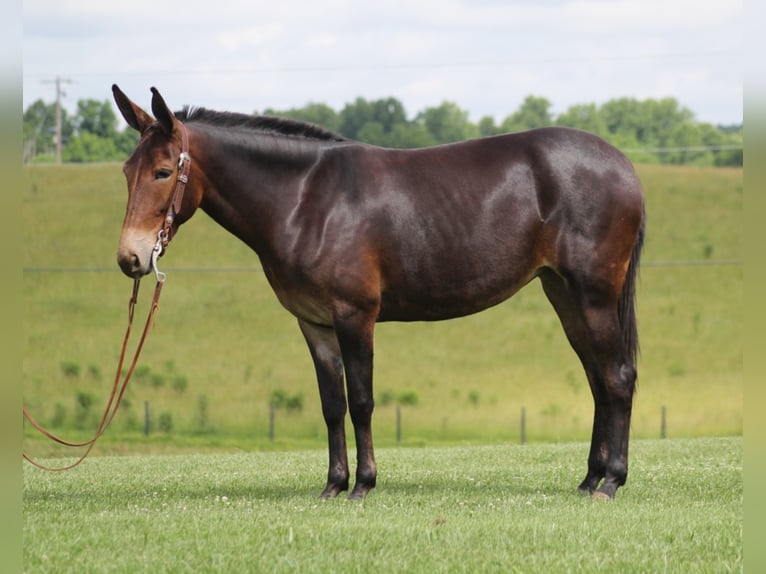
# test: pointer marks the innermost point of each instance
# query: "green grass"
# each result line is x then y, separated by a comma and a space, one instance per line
226, 336
457, 509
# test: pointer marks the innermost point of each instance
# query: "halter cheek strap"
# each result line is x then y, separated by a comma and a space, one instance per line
166, 233
184, 165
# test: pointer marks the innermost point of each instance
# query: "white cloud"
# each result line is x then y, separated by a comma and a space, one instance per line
651, 14
322, 40
236, 39
485, 55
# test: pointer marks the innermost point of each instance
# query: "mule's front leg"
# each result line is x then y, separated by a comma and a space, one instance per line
355, 330
325, 353
599, 448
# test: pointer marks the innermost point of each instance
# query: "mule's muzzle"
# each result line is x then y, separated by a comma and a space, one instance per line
133, 266
134, 254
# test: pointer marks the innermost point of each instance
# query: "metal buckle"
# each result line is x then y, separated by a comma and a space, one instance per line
182, 158
156, 252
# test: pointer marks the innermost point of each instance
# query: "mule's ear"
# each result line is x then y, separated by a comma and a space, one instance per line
137, 118
162, 112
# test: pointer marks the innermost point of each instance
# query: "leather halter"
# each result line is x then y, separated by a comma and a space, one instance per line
166, 232
184, 165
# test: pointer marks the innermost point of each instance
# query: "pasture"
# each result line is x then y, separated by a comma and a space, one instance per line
222, 345
437, 509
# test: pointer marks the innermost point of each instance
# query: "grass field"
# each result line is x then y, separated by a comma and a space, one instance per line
457, 509
222, 344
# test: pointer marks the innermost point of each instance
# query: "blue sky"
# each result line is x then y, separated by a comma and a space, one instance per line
485, 55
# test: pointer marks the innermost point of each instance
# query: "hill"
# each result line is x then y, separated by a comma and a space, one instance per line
222, 345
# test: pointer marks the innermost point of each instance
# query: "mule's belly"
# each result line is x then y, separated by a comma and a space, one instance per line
453, 295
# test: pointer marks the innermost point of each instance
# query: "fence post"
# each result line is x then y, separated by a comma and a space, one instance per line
664, 423
272, 415
146, 418
523, 425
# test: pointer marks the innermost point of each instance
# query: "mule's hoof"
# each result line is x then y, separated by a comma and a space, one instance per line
600, 496
359, 492
331, 491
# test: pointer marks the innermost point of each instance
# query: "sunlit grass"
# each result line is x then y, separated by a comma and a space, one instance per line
459, 509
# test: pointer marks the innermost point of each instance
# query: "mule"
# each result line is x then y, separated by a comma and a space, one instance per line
350, 234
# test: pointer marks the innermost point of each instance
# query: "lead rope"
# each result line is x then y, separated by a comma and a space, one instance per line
163, 238
115, 397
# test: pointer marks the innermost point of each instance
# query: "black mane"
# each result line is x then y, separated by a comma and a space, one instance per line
264, 124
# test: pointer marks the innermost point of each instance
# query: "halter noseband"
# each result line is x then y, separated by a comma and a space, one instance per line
166, 233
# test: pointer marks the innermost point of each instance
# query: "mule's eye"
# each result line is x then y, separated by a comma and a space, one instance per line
163, 173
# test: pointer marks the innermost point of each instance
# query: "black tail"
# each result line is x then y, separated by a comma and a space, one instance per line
626, 309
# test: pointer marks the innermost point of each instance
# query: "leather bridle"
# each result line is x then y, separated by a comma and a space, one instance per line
118, 388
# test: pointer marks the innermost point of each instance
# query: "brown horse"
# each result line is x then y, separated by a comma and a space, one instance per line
350, 234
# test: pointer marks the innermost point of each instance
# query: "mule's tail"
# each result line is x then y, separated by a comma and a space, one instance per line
626, 309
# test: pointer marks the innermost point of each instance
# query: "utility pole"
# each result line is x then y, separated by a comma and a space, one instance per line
59, 94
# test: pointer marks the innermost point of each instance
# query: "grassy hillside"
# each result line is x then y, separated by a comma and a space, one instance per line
222, 344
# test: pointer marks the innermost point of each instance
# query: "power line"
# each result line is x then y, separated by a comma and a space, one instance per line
373, 67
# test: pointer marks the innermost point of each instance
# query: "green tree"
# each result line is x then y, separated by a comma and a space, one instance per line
447, 123
97, 118
724, 136
667, 123
410, 135
95, 135
314, 113
125, 142
487, 126
373, 133
533, 113
88, 147
585, 117
633, 125
387, 112
686, 138
354, 115
625, 117
39, 130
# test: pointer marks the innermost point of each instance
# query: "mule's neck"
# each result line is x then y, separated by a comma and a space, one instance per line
252, 181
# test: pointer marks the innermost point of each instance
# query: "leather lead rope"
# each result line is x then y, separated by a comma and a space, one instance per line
118, 389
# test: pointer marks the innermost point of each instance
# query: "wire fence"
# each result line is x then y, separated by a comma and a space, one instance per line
248, 269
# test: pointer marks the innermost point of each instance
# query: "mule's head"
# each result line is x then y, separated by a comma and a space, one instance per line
151, 171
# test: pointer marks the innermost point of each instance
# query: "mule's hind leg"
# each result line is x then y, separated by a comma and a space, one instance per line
576, 330
325, 352
589, 316
355, 330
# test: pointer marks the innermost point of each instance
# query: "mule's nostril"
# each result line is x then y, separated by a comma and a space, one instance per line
130, 263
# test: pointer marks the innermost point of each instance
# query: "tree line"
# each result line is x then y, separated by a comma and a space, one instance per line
648, 131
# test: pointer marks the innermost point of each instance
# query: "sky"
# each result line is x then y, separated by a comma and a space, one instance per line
484, 55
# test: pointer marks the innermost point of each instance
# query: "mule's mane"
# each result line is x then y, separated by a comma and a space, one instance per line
263, 124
